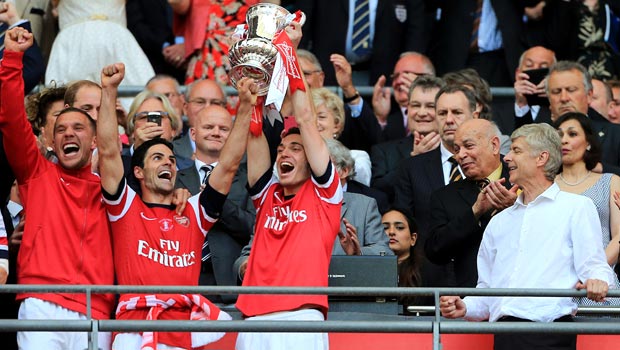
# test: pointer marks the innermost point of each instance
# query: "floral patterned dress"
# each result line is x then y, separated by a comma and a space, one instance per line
594, 53
212, 60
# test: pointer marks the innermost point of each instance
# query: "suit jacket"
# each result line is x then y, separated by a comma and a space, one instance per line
395, 128
544, 116
453, 32
609, 137
183, 147
385, 158
416, 179
362, 212
232, 231
383, 202
361, 132
455, 233
148, 21
399, 27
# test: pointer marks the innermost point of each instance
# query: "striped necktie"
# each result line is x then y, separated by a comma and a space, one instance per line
473, 44
206, 169
360, 39
3, 28
455, 174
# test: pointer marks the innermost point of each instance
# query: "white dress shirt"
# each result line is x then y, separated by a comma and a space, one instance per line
552, 242
446, 165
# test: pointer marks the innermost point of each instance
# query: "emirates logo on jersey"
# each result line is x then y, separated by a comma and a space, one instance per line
166, 225
182, 220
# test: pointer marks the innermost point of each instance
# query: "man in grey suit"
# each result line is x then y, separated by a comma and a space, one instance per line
232, 232
199, 94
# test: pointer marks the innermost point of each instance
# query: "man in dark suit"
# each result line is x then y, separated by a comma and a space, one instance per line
534, 58
398, 27
492, 47
461, 210
232, 232
386, 156
569, 89
150, 22
198, 95
419, 176
392, 112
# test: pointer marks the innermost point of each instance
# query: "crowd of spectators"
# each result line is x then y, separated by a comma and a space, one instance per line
421, 161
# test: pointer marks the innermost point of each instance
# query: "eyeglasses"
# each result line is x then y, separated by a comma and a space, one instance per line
202, 102
145, 114
307, 73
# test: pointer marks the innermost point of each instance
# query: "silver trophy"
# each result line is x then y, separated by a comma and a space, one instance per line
255, 57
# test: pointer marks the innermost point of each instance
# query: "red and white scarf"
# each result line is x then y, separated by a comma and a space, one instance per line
201, 309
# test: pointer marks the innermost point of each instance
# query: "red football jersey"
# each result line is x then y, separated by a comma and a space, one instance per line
292, 244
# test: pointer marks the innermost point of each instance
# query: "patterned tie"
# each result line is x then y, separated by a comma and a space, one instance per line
483, 183
206, 251
360, 40
455, 174
206, 169
3, 28
473, 43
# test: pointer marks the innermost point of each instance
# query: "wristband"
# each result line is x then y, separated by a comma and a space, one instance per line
352, 98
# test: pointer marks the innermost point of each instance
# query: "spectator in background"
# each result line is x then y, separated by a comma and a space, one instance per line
423, 135
461, 211
392, 27
198, 95
71, 248
81, 49
331, 123
513, 239
484, 35
42, 109
614, 109
361, 129
360, 225
85, 95
207, 27
581, 152
470, 79
584, 31
602, 98
341, 156
401, 229
43, 22
150, 22
392, 112
537, 57
569, 89
169, 87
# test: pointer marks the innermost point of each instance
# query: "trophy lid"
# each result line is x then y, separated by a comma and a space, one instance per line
265, 20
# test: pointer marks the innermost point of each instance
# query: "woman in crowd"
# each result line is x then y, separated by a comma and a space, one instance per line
94, 34
401, 229
330, 119
581, 153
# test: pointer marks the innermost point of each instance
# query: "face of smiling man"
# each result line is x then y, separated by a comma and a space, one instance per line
74, 140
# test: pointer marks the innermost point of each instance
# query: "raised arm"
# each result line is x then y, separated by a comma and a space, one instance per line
110, 162
314, 145
234, 148
18, 140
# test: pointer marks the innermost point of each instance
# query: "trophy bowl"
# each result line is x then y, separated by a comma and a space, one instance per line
253, 58
265, 20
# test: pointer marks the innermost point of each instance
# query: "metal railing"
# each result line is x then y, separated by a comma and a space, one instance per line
435, 325
365, 91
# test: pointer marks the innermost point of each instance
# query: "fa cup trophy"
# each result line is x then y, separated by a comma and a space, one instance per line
255, 56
